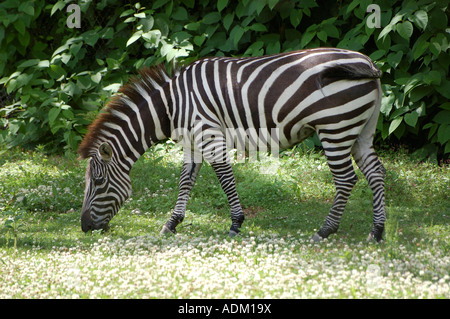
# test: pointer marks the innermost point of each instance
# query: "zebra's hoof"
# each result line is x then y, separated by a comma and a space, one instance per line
316, 238
373, 238
166, 231
233, 233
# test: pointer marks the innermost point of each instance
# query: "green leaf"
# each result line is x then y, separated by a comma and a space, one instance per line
433, 129
26, 7
43, 64
420, 49
97, 77
413, 81
91, 37
112, 63
395, 124
126, 13
295, 17
70, 88
199, 39
228, 20
114, 87
75, 48
432, 77
352, 6
25, 39
438, 18
411, 118
378, 54
443, 117
420, 19
387, 102
19, 24
60, 49
236, 34
272, 3
405, 29
28, 63
23, 79
258, 5
159, 3
140, 15
306, 38
419, 92
385, 31
68, 114
134, 37
166, 48
221, 4
180, 13
445, 106
258, 27
435, 48
331, 30
53, 114
211, 18
256, 49
443, 133
444, 88
193, 26
58, 6
84, 82
322, 35
152, 36
394, 59
11, 86
57, 72
130, 19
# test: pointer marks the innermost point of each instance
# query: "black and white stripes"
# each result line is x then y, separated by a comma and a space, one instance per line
267, 102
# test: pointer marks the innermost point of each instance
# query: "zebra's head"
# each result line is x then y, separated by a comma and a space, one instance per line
107, 188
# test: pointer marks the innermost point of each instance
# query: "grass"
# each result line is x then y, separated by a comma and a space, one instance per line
44, 253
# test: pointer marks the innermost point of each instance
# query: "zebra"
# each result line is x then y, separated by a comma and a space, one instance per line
333, 92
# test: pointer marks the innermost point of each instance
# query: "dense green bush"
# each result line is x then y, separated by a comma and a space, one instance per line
54, 79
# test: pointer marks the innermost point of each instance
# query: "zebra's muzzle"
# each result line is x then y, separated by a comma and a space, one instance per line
87, 223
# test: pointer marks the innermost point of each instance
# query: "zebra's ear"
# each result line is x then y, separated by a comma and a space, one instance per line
105, 151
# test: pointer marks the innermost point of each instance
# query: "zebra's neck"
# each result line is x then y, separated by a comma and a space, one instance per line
134, 120
146, 123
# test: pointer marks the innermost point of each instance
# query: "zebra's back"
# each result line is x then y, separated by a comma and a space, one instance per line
294, 93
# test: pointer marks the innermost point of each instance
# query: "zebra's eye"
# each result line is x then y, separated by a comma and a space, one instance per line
99, 180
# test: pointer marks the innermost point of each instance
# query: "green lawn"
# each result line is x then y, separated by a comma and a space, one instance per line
44, 253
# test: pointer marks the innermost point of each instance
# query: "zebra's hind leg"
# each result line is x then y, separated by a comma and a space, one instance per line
225, 175
214, 151
344, 179
373, 170
188, 175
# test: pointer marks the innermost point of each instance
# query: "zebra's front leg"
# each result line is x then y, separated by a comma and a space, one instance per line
188, 175
213, 147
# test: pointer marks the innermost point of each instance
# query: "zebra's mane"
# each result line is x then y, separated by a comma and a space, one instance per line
149, 79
